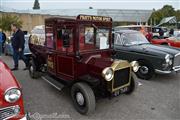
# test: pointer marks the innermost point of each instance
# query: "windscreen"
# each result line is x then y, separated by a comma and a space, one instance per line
91, 38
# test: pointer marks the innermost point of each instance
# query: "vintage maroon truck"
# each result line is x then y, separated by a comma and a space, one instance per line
76, 53
11, 100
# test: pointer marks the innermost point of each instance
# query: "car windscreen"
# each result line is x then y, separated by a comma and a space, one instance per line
129, 39
91, 38
165, 29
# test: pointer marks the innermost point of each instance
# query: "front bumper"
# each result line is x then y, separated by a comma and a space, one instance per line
12, 112
174, 69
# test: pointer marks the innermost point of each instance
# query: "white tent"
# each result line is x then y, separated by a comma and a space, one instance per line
170, 20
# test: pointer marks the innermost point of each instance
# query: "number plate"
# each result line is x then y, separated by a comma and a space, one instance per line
120, 91
123, 90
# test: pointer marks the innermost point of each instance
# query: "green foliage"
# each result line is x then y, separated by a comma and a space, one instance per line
36, 5
7, 20
166, 11
177, 14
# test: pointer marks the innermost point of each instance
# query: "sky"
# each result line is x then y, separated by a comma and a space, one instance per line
96, 4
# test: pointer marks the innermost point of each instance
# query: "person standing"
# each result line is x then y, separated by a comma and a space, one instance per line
4, 41
18, 42
161, 34
171, 33
1, 42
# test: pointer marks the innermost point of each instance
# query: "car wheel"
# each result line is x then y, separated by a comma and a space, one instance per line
33, 70
83, 98
155, 37
131, 87
6, 54
146, 70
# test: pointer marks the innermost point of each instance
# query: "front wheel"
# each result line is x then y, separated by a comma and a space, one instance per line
146, 70
83, 98
33, 70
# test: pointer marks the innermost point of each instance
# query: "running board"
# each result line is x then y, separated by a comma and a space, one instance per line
53, 82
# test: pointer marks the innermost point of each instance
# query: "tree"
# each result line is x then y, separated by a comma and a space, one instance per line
177, 14
168, 11
36, 5
158, 15
7, 20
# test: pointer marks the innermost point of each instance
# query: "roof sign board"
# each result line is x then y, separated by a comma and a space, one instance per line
94, 18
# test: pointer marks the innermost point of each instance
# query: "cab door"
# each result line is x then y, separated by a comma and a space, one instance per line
65, 51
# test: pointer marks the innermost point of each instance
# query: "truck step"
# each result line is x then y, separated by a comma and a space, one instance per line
53, 82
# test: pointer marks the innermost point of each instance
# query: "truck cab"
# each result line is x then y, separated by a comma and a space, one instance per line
76, 53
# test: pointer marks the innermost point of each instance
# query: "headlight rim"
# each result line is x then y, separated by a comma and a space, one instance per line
105, 70
167, 57
135, 64
11, 88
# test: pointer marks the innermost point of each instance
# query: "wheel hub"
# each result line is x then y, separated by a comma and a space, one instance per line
144, 69
31, 69
80, 98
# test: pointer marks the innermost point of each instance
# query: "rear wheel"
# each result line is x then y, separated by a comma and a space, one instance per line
33, 70
146, 70
83, 98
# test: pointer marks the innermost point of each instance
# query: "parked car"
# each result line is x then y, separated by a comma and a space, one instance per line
155, 31
173, 41
76, 54
132, 45
9, 49
146, 30
11, 99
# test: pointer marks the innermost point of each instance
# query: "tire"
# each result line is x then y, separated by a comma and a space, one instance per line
156, 37
85, 91
142, 74
132, 87
33, 70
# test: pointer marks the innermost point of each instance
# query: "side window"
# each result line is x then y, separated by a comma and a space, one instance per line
59, 39
86, 38
65, 39
49, 36
102, 38
157, 30
89, 35
50, 40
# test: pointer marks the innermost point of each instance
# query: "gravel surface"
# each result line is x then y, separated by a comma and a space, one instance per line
158, 99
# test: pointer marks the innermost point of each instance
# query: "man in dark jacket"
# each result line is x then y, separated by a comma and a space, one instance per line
18, 42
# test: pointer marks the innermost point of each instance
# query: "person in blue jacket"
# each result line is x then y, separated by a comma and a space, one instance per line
1, 42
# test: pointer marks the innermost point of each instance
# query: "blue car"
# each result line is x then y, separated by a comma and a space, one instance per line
8, 50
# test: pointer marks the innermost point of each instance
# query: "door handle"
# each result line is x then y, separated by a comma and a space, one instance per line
50, 53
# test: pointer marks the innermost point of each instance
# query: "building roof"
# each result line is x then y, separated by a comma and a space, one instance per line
170, 20
118, 15
126, 15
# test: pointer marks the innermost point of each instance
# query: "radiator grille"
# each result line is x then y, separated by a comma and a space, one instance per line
121, 77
